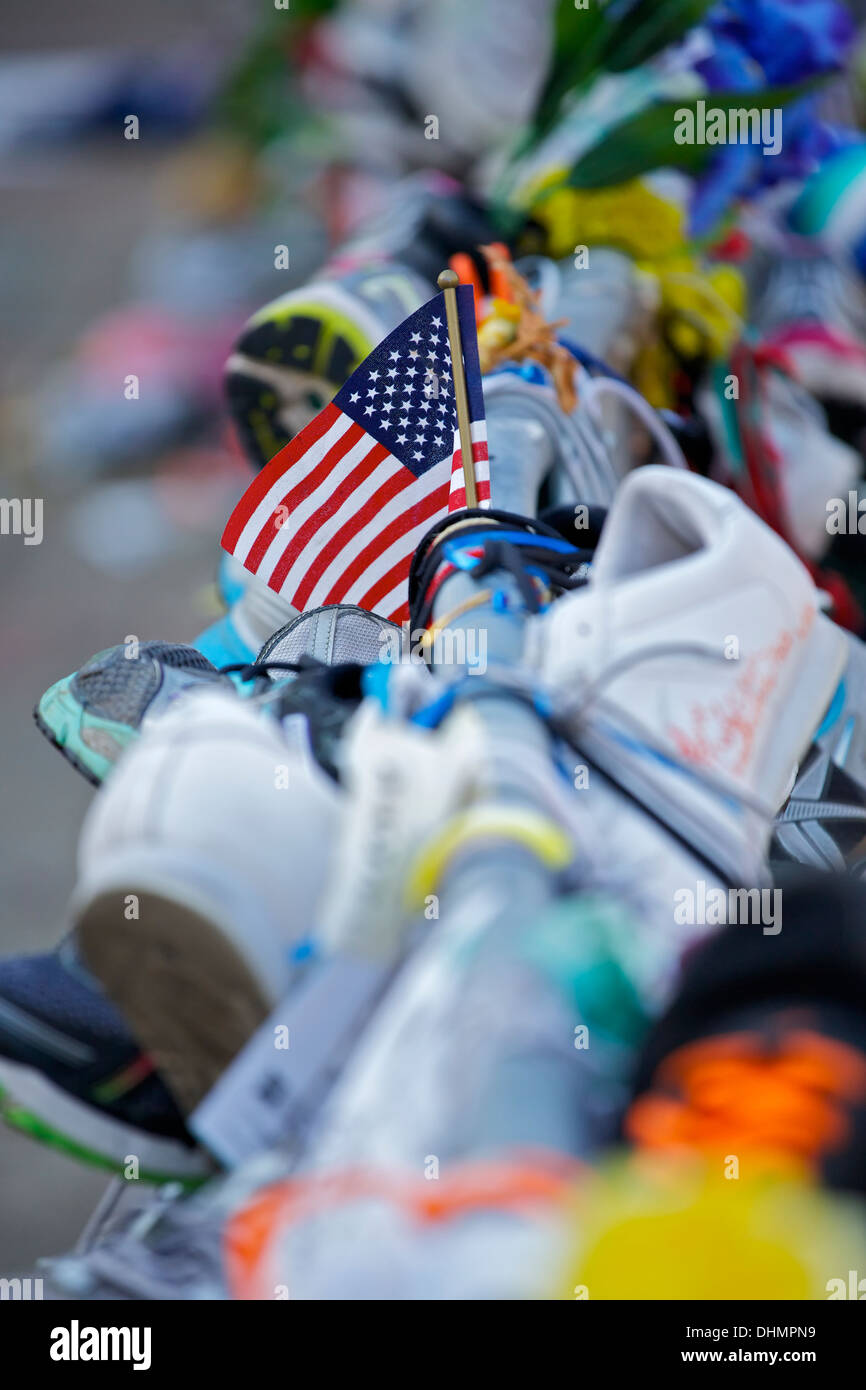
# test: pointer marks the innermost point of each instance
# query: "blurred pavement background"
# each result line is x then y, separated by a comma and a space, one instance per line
71, 215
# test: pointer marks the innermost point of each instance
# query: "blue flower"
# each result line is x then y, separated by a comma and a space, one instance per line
790, 39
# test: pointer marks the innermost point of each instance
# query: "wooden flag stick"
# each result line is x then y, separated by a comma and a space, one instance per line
448, 282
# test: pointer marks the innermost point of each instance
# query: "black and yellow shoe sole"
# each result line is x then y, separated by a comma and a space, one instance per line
290, 361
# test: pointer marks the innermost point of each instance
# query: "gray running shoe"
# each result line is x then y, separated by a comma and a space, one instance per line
92, 715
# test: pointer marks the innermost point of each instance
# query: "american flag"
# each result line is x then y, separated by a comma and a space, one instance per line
336, 515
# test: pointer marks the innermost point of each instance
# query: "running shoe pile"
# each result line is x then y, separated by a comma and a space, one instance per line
518, 950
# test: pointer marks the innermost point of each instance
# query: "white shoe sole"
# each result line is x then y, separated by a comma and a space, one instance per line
51, 1114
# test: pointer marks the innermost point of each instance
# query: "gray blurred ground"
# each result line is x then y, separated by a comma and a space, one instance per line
69, 220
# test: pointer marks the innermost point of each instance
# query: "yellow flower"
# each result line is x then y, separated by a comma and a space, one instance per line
701, 308
631, 216
652, 373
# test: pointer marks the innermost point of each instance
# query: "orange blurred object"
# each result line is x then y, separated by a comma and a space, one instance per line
254, 1233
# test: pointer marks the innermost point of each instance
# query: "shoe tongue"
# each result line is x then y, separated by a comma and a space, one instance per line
334, 635
659, 516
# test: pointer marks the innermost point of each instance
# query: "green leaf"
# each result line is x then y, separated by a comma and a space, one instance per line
579, 39
640, 144
259, 100
646, 141
647, 28
589, 41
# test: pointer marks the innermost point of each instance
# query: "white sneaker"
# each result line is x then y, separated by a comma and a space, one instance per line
695, 665
584, 456
532, 440
201, 865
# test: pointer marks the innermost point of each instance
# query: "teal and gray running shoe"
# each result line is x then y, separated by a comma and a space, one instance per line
93, 714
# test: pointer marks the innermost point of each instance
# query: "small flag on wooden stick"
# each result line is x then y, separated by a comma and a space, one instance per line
336, 515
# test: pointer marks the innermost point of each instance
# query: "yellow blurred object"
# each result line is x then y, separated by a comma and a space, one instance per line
631, 217
703, 307
214, 179
673, 1229
505, 309
700, 308
497, 331
652, 374
700, 314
